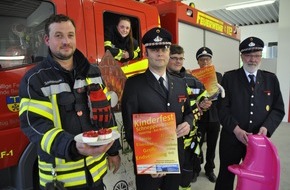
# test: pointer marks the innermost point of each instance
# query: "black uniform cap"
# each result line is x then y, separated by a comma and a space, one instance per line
157, 38
251, 44
202, 52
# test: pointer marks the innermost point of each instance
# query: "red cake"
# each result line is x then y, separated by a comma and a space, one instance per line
90, 136
105, 134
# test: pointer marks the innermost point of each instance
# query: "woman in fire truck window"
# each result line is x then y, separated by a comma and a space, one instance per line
120, 42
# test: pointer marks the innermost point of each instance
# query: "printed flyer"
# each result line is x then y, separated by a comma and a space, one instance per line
208, 77
155, 143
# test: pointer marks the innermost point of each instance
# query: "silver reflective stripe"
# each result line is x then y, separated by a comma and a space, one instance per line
55, 89
48, 139
62, 165
56, 118
99, 172
74, 179
195, 90
39, 107
82, 82
69, 180
97, 80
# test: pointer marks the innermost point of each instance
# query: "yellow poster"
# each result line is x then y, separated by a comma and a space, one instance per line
155, 143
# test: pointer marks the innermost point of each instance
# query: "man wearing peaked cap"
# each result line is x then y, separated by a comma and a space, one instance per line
253, 104
156, 91
251, 44
157, 37
203, 52
208, 125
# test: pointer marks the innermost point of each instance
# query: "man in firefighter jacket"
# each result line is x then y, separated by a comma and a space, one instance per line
56, 96
144, 93
198, 102
249, 107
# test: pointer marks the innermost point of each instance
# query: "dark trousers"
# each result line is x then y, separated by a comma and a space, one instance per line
168, 182
211, 130
231, 152
187, 170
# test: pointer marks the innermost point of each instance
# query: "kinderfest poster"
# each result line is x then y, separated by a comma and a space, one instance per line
155, 143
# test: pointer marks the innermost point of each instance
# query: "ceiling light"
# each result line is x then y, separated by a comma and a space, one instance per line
249, 4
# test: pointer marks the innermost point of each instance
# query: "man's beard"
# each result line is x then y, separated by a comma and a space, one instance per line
61, 56
251, 68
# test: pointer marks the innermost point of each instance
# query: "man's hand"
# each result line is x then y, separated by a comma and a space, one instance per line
182, 129
157, 175
114, 162
205, 104
263, 131
87, 150
241, 135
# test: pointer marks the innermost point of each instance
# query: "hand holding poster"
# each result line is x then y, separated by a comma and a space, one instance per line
155, 143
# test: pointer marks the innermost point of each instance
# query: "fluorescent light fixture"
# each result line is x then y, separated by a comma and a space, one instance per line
6, 58
249, 4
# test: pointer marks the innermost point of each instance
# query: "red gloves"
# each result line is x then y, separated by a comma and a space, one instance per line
100, 106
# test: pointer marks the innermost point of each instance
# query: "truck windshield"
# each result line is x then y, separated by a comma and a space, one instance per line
21, 32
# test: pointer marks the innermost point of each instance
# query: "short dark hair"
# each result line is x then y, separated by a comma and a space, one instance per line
56, 19
176, 49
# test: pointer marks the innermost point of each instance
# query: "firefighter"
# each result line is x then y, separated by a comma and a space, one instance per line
120, 42
61, 97
209, 124
198, 102
144, 93
246, 109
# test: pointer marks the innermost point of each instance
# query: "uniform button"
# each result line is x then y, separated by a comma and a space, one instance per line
252, 104
252, 96
251, 121
168, 104
251, 113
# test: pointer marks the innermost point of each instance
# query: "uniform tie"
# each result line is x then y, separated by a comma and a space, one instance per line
161, 81
252, 81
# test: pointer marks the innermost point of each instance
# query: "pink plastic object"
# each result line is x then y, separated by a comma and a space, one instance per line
261, 168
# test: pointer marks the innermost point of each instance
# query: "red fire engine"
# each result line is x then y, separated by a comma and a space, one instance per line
21, 47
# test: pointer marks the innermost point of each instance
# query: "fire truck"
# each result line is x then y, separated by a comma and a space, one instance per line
21, 47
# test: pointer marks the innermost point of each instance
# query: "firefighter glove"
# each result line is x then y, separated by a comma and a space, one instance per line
100, 106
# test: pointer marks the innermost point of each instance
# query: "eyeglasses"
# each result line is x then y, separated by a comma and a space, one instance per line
248, 56
203, 59
177, 58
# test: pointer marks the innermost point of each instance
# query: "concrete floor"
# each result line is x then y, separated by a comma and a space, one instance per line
281, 139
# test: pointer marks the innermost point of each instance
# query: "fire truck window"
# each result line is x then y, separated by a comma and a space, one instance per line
21, 40
123, 46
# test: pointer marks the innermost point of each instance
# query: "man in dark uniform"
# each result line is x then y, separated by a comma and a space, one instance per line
251, 106
143, 93
208, 124
198, 100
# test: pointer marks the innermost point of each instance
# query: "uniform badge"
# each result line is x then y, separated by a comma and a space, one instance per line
12, 103
268, 92
79, 113
267, 108
181, 98
158, 39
